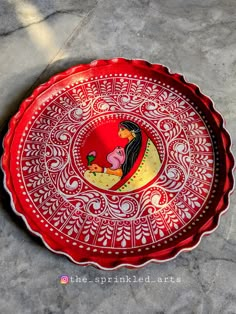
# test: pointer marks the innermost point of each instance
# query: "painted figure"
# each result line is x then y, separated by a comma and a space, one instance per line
132, 166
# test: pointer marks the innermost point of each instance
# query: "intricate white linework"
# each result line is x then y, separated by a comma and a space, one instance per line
53, 172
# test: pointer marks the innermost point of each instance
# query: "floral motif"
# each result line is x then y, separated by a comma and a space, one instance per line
52, 170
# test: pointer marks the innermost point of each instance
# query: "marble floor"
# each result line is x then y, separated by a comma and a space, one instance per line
39, 38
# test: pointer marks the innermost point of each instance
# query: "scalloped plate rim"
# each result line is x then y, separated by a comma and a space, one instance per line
56, 78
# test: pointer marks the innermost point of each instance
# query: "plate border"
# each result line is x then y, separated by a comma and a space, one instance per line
183, 246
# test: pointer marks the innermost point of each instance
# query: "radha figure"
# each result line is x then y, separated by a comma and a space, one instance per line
132, 166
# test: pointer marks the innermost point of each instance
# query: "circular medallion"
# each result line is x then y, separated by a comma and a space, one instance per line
118, 163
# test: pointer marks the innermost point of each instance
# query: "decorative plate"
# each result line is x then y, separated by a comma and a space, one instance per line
118, 163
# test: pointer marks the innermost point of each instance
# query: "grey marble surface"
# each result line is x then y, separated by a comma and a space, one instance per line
40, 38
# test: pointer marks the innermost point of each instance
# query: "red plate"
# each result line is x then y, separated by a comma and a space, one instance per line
118, 163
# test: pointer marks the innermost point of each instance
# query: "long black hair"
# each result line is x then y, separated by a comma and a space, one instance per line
132, 149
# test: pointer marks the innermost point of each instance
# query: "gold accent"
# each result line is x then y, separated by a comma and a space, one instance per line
147, 170
101, 180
